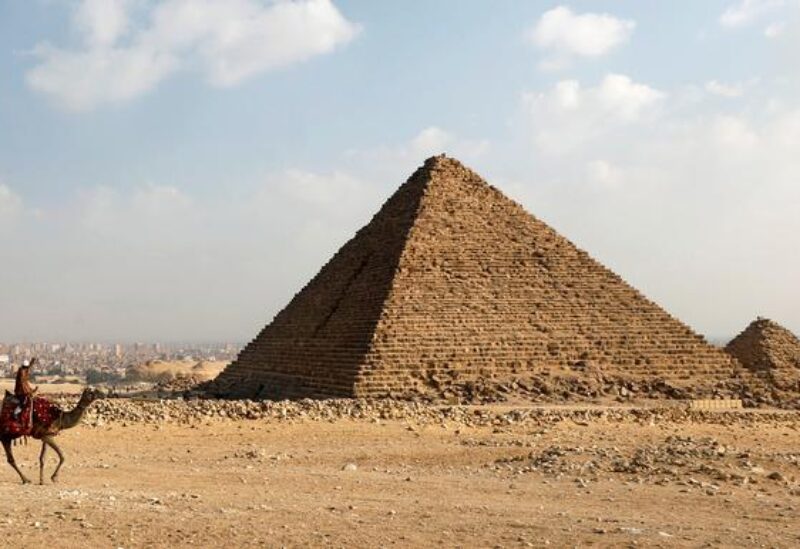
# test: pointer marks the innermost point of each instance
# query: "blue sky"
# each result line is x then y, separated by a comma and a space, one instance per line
177, 169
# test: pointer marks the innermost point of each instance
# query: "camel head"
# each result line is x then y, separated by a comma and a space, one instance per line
89, 395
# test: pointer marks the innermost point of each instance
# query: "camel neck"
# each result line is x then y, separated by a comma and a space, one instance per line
71, 418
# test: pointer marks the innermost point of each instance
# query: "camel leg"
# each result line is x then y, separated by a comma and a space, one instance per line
52, 444
10, 458
41, 462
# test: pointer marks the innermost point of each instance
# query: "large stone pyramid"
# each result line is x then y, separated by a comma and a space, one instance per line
769, 350
452, 282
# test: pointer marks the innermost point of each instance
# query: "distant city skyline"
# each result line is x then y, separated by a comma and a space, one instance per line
112, 360
176, 172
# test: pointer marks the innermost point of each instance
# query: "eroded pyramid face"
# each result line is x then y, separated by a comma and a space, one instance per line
452, 283
767, 347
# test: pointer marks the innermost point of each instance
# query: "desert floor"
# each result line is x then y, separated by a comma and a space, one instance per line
348, 483
45, 388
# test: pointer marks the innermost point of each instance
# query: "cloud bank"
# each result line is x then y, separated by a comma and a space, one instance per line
690, 202
746, 12
569, 114
125, 54
10, 205
565, 35
687, 190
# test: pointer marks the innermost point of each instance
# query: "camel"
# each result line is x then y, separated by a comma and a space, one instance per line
66, 420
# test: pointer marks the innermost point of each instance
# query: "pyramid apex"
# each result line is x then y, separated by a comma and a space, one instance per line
443, 161
763, 322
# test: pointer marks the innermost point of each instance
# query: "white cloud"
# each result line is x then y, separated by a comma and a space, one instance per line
159, 200
603, 174
784, 131
774, 30
569, 115
686, 198
565, 35
102, 22
238, 38
567, 95
156, 262
228, 42
10, 204
430, 141
733, 132
746, 12
724, 90
620, 95
148, 217
317, 211
434, 140
335, 192
379, 162
107, 75
681, 199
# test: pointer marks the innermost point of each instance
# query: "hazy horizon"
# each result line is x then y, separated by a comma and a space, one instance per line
176, 173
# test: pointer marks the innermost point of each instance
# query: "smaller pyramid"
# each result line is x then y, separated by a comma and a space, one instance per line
769, 350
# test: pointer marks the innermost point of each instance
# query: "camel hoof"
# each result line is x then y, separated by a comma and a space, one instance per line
54, 479
26, 481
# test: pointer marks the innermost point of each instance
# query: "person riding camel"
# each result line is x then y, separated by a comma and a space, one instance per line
22, 388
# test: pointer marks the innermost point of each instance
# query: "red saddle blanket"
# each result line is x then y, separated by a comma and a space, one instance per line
20, 422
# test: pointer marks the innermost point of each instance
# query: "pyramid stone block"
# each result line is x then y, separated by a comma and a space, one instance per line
452, 282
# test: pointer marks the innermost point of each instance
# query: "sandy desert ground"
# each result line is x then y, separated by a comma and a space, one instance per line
544, 479
45, 388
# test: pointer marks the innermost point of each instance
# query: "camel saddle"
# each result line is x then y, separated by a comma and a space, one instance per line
37, 412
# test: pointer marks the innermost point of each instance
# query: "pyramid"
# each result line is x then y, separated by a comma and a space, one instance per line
451, 282
768, 349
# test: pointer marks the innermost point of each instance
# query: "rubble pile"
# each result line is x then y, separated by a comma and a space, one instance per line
675, 459
180, 384
180, 411
562, 385
570, 386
